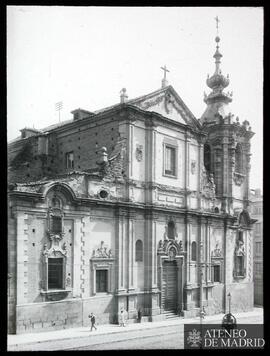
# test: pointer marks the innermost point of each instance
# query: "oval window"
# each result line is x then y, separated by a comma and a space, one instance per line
103, 194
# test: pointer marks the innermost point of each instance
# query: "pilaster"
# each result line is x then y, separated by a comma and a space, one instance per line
83, 262
77, 258
22, 258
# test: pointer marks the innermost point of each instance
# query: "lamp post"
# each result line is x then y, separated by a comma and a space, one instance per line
202, 313
229, 298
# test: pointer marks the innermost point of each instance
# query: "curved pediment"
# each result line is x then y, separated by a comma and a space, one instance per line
171, 248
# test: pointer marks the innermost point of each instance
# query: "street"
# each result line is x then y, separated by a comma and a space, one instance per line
163, 335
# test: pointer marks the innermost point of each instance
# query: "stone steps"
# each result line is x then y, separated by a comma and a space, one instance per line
170, 315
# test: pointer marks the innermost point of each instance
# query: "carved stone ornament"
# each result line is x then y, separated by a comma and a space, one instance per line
55, 249
152, 102
139, 153
193, 167
217, 252
208, 188
170, 248
101, 252
168, 103
238, 178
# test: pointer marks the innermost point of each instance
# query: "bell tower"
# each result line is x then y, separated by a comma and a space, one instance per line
227, 147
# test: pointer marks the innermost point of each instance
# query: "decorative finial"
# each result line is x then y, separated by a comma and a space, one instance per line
123, 95
217, 21
164, 82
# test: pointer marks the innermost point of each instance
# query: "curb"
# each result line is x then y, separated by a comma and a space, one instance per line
149, 325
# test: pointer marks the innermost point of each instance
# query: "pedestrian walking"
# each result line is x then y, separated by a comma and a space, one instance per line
93, 321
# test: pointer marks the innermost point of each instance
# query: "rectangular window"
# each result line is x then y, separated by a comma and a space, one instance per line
170, 160
56, 224
70, 160
101, 281
217, 273
55, 273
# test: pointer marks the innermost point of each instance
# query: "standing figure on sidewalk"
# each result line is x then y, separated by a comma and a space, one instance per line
93, 321
122, 317
139, 315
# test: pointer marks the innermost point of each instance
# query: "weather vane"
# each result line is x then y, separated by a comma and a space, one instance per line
59, 107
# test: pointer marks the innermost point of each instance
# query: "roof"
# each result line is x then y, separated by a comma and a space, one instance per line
143, 102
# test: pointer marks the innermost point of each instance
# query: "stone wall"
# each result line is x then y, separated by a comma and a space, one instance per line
242, 299
36, 317
11, 273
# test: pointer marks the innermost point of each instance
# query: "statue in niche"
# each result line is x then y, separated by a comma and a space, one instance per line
240, 248
217, 251
193, 166
139, 153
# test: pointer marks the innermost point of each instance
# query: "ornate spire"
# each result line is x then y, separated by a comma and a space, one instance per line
217, 81
217, 100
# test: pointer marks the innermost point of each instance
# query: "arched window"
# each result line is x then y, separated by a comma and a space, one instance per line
171, 230
139, 250
193, 251
207, 157
238, 159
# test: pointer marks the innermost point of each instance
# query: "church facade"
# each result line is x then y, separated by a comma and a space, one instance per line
131, 206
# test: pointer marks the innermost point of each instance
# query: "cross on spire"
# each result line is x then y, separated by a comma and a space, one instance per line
217, 21
165, 70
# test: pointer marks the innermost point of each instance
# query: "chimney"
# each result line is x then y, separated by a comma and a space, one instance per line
79, 114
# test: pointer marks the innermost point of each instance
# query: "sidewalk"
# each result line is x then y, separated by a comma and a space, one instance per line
32, 338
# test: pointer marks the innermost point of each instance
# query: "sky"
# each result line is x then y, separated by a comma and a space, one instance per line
84, 56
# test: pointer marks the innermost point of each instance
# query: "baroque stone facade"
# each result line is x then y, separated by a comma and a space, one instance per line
130, 206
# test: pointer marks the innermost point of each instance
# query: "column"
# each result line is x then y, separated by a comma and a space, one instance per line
130, 133
208, 251
131, 249
180, 274
188, 241
200, 166
77, 259
150, 258
225, 177
120, 254
150, 157
187, 170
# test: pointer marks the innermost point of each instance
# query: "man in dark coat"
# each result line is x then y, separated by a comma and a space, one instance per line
93, 321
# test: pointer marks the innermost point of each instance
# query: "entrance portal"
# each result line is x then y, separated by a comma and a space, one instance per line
169, 286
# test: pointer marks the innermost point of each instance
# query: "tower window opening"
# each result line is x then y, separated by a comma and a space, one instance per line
207, 158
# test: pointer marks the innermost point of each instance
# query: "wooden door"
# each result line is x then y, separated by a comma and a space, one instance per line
169, 286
